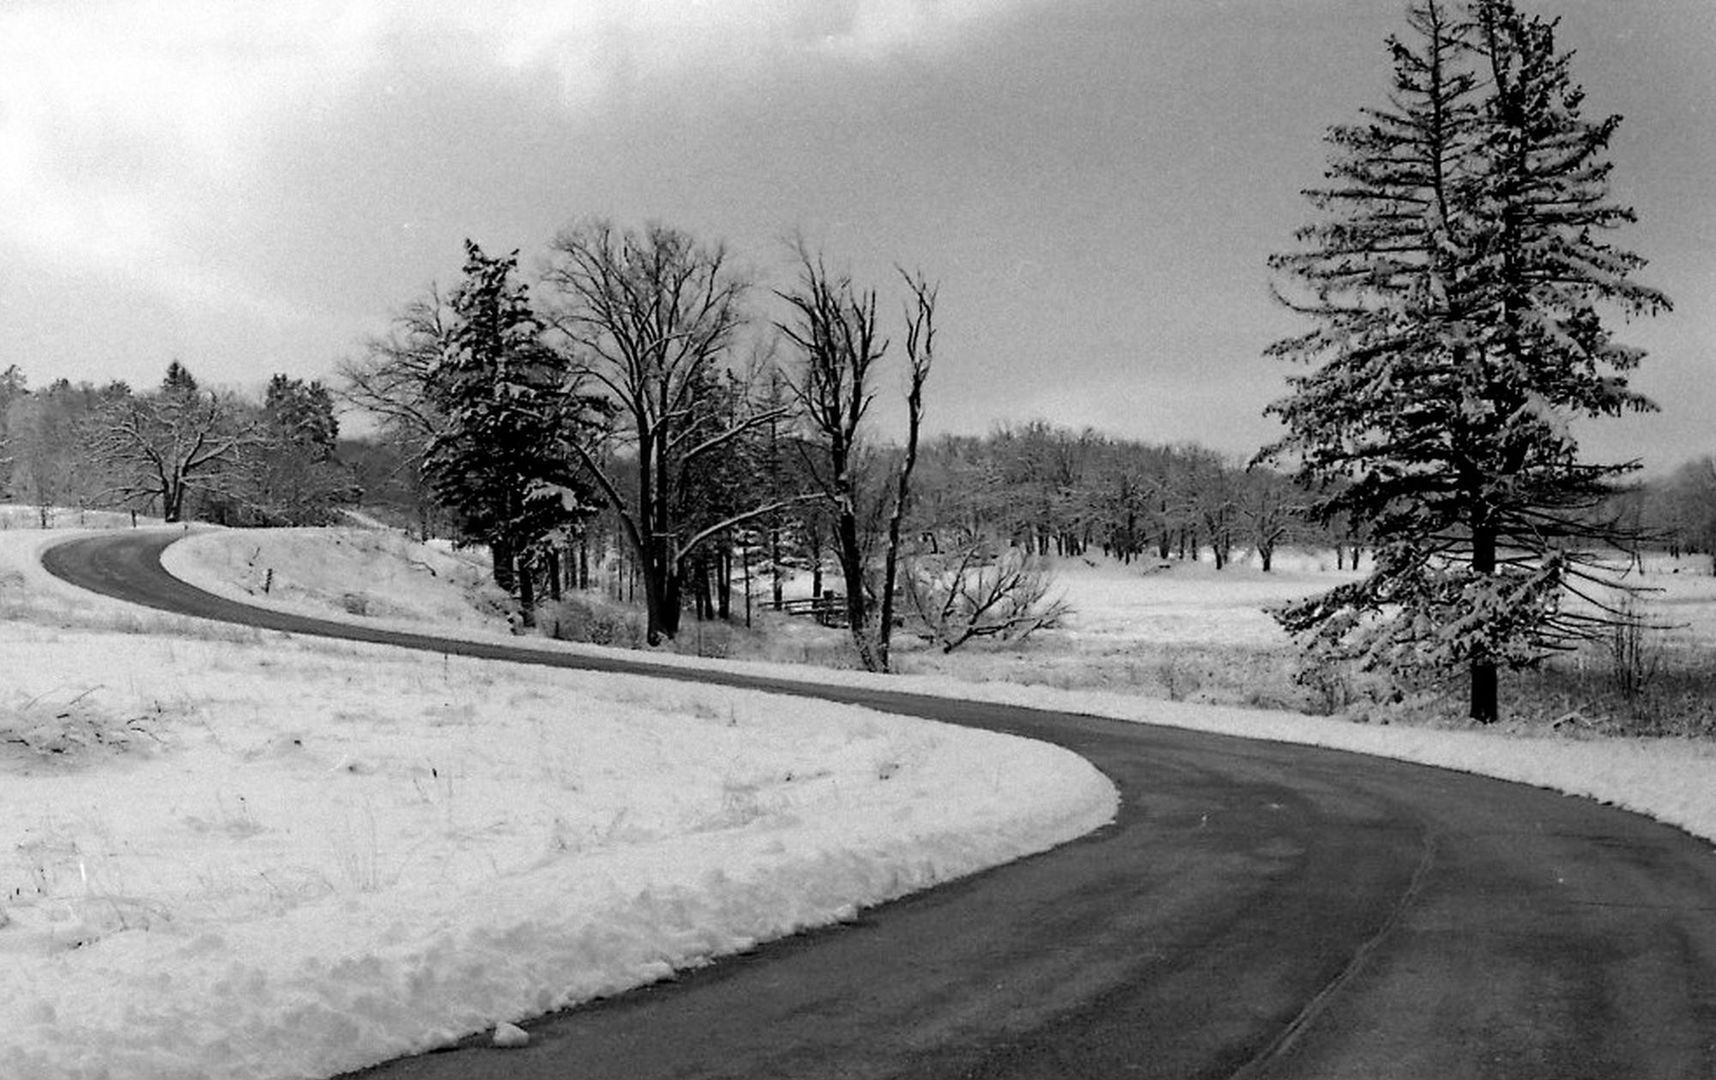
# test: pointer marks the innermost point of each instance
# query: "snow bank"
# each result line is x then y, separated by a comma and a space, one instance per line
1672, 780
379, 575
271, 857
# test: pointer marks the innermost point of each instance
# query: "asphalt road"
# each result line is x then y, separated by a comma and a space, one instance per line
1257, 910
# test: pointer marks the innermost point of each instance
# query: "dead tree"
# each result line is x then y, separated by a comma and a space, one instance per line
835, 330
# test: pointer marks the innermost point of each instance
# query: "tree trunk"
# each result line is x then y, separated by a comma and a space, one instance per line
896, 520
670, 605
500, 565
700, 606
724, 584
852, 571
526, 591
745, 564
661, 566
776, 586
1484, 704
661, 594
1485, 691
554, 575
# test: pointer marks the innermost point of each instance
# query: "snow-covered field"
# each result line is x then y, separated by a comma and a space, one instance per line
1115, 606
229, 853
1185, 631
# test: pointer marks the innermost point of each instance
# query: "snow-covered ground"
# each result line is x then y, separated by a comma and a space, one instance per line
1181, 630
374, 573
389, 580
387, 766
1122, 611
1185, 603
230, 853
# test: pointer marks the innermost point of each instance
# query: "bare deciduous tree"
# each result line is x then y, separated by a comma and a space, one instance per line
392, 381
163, 445
651, 316
920, 356
835, 331
393, 377
968, 593
1269, 508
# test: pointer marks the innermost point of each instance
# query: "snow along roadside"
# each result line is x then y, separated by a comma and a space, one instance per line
1671, 780
284, 857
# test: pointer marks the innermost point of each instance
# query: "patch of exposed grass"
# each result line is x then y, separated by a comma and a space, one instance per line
1673, 695
70, 727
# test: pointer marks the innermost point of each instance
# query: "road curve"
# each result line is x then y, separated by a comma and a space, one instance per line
1257, 910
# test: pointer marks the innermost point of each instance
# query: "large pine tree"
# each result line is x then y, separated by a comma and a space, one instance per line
500, 389
1454, 280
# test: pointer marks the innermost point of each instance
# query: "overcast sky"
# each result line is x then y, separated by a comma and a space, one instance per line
254, 187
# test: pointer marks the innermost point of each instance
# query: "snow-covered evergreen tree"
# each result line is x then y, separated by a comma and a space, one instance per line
500, 388
1454, 281
292, 476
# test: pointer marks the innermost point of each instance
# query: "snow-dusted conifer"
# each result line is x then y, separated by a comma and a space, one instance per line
1454, 283
501, 391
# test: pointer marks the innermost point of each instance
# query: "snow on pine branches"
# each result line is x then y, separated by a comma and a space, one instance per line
1458, 280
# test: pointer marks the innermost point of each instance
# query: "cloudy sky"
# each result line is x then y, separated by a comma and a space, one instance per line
254, 187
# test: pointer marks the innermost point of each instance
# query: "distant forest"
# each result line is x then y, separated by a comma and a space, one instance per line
182, 452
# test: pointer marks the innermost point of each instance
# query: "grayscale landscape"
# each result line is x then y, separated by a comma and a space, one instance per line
900, 538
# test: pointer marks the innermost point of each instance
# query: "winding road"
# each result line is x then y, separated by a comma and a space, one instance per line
1257, 910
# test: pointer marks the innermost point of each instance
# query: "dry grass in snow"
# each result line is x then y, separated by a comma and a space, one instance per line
1192, 616
231, 853
377, 574
1140, 635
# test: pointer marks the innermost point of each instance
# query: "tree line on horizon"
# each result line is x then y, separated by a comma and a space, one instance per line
176, 450
1047, 488
183, 452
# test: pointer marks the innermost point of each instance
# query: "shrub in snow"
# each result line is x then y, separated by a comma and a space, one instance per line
590, 621
968, 593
